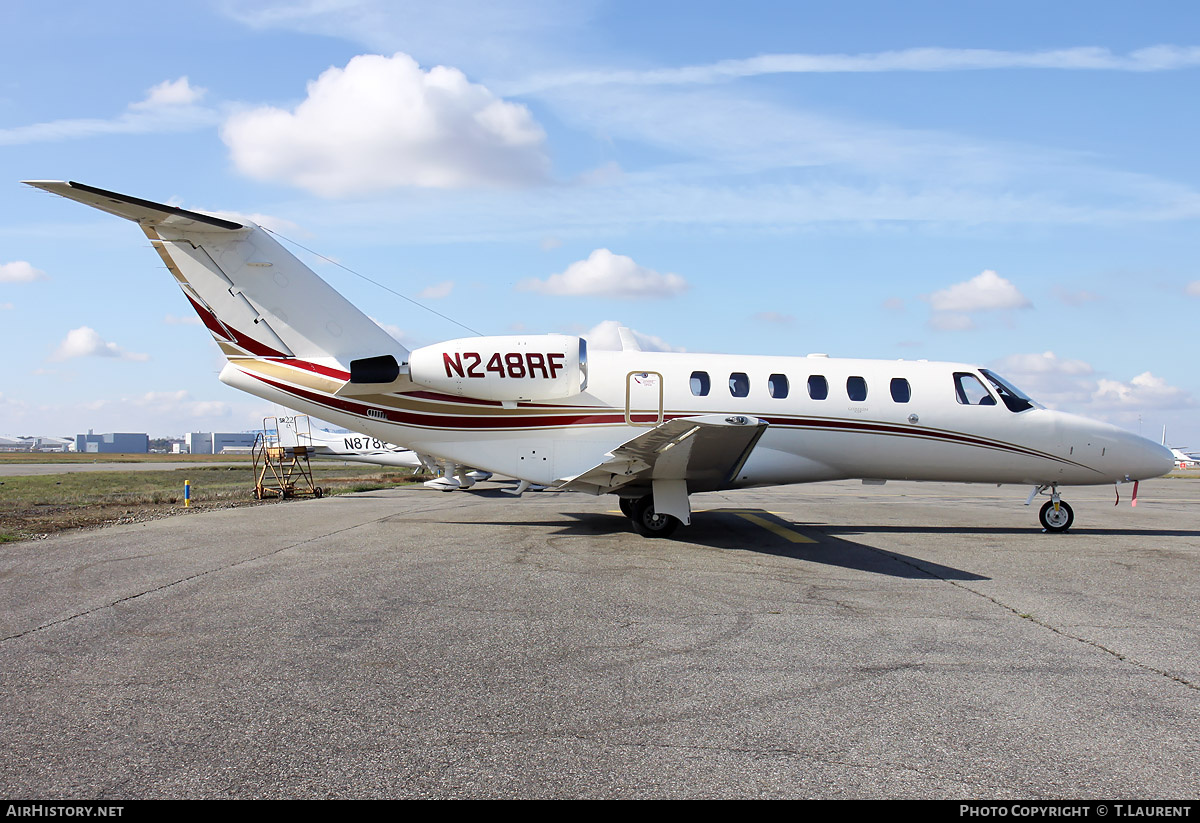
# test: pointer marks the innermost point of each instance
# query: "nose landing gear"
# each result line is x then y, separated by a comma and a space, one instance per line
1056, 515
1056, 519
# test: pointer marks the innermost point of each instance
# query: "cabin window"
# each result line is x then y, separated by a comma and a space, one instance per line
901, 392
739, 384
970, 390
856, 388
700, 383
818, 387
777, 385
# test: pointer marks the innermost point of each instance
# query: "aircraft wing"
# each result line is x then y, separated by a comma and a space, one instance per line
706, 451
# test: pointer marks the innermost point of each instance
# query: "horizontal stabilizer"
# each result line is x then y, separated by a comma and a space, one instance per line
134, 208
706, 451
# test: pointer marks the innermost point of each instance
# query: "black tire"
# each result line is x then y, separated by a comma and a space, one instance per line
649, 523
318, 492
626, 504
1059, 521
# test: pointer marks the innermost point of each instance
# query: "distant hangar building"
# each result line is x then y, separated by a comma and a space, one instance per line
112, 443
219, 442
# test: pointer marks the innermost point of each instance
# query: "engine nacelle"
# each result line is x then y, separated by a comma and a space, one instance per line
509, 368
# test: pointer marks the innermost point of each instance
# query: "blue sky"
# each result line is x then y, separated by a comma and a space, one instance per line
1012, 184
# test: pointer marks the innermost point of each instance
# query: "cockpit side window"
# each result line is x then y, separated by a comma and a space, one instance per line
970, 390
1014, 398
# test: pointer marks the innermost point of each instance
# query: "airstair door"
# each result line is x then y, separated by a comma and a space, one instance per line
643, 398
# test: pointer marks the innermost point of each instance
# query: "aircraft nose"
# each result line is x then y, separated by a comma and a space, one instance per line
1142, 459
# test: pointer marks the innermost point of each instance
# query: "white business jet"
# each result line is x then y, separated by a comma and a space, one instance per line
1183, 460
649, 427
296, 430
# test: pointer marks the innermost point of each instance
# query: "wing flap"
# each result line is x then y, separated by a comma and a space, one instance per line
706, 451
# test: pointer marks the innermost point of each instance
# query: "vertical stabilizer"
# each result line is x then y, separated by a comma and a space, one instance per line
256, 298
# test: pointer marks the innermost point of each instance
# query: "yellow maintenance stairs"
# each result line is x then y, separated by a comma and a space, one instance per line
280, 461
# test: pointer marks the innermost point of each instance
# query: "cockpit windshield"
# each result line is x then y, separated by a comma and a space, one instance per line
1014, 398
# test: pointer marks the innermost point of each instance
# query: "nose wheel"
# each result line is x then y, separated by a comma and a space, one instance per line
1056, 516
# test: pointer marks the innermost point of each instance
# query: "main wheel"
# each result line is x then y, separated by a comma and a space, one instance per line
649, 523
1056, 521
626, 504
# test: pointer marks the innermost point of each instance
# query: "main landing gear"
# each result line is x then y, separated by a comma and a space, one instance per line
646, 521
1056, 515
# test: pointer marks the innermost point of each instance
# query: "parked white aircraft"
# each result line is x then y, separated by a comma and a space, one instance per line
355, 448
361, 448
650, 427
1182, 459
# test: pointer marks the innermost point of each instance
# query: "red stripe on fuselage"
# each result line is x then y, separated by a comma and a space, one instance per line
468, 422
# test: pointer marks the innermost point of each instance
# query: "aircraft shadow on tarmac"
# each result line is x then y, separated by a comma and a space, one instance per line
730, 529
986, 530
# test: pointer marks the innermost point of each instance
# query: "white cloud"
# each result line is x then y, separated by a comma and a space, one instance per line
1073, 385
279, 225
1193, 288
604, 274
382, 123
185, 320
86, 342
398, 334
6, 306
179, 404
170, 106
1045, 363
1142, 392
1155, 58
606, 337
983, 292
987, 291
1050, 380
483, 34
436, 292
170, 93
20, 271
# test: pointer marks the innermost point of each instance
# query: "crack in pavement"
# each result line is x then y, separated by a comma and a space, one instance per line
1095, 644
187, 579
